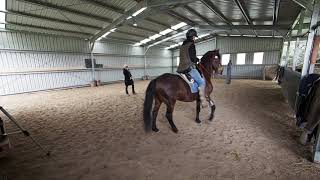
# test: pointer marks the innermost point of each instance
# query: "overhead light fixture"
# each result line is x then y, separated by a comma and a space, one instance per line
145, 40
155, 36
173, 46
3, 5
99, 38
129, 17
106, 34
168, 38
113, 30
2, 17
164, 32
135, 23
178, 26
139, 11
203, 35
137, 44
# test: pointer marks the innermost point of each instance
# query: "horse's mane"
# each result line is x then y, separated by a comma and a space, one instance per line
207, 56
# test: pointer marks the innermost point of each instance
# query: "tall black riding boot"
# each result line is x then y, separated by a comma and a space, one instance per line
133, 92
127, 90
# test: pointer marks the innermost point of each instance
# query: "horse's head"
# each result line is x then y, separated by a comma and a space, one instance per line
216, 62
212, 60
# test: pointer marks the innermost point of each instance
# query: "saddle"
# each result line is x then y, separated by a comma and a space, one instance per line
190, 81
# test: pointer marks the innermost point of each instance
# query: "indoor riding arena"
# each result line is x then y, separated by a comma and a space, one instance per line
81, 82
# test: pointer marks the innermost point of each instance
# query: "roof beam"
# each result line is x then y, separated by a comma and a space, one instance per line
276, 6
47, 28
168, 38
245, 14
215, 10
118, 21
181, 18
104, 5
192, 11
66, 9
245, 27
131, 34
142, 28
156, 22
119, 40
157, 3
43, 18
243, 11
148, 20
304, 4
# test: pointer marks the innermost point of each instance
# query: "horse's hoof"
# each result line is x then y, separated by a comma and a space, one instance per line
211, 118
175, 130
198, 121
155, 129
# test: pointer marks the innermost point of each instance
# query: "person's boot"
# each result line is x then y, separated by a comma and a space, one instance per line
133, 92
202, 96
127, 91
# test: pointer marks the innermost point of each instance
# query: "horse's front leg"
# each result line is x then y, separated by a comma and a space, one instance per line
198, 110
213, 109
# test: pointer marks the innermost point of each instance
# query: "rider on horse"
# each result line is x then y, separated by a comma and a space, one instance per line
188, 62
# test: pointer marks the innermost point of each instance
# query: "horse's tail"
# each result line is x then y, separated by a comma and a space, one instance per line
148, 101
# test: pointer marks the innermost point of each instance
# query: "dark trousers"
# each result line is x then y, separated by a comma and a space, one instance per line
132, 89
128, 83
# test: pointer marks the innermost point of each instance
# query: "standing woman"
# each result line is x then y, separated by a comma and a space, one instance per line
128, 79
228, 78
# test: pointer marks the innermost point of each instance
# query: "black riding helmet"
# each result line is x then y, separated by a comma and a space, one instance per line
191, 33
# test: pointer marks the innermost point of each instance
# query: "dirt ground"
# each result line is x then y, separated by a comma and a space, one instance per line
96, 133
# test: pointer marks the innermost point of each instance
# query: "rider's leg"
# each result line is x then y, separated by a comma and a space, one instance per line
202, 85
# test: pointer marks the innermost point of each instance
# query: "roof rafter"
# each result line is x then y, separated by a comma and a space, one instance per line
50, 29
105, 5
245, 14
199, 15
216, 11
67, 10
43, 18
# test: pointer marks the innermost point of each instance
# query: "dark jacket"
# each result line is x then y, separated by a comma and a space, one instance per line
127, 77
188, 56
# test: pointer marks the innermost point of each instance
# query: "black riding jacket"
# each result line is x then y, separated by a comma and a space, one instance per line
192, 51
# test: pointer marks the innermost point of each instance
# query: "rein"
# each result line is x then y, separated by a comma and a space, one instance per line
204, 69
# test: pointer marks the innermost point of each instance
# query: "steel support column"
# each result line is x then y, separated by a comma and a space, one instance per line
288, 52
92, 63
296, 49
307, 67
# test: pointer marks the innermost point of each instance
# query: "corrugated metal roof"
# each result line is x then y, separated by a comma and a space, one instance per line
183, 12
37, 30
90, 16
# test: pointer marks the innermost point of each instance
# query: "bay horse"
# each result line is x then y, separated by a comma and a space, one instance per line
168, 88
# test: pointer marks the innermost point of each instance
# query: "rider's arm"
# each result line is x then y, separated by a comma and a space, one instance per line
192, 53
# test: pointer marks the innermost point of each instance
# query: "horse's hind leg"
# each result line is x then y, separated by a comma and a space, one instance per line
155, 110
198, 111
170, 107
213, 109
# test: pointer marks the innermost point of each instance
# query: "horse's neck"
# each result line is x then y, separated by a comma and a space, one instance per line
206, 73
